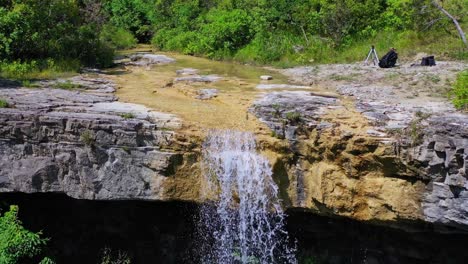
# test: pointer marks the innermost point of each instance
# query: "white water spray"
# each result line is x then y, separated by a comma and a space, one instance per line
245, 220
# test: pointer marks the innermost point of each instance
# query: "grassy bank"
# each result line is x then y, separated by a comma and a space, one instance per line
38, 69
286, 50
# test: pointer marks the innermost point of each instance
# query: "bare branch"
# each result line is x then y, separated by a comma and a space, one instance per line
457, 25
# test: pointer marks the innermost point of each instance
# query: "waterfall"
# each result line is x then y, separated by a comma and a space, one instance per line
242, 213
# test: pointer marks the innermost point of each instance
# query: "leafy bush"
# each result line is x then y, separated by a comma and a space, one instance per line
33, 30
118, 38
17, 243
224, 32
460, 91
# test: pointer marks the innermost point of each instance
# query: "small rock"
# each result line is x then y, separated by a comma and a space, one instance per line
187, 71
149, 59
206, 94
266, 77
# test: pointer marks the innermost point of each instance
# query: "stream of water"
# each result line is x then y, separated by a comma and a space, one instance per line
244, 218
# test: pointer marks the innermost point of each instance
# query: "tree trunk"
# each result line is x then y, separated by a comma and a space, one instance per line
457, 25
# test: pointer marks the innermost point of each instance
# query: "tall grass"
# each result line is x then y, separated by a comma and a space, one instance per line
38, 69
284, 49
460, 91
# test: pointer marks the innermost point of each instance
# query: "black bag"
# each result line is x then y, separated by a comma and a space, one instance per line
388, 60
428, 61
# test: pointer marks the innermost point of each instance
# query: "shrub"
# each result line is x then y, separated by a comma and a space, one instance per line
3, 103
127, 115
460, 91
118, 38
293, 116
87, 137
16, 242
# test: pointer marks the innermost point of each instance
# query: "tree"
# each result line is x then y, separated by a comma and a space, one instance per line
454, 20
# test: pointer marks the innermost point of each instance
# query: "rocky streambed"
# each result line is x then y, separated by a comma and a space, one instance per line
380, 146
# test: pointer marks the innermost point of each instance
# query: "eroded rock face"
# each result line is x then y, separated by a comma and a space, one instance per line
87, 145
406, 160
361, 149
334, 169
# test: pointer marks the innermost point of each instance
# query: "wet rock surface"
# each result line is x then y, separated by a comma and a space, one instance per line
280, 86
198, 78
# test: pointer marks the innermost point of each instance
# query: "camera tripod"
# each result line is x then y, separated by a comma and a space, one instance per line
373, 56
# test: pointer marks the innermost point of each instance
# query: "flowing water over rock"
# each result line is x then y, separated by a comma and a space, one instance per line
246, 221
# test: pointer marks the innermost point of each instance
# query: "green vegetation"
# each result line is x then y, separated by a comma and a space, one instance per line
16, 243
460, 91
3, 103
290, 32
110, 257
67, 85
127, 115
293, 116
87, 137
43, 39
118, 38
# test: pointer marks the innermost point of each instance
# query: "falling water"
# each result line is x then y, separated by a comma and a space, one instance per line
244, 218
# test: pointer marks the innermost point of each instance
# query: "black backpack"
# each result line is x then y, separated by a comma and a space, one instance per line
388, 60
428, 61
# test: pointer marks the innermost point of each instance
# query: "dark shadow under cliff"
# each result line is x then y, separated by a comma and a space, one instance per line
164, 232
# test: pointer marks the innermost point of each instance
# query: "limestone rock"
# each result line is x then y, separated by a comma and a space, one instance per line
282, 111
206, 94
280, 86
187, 71
266, 77
89, 146
147, 59
198, 78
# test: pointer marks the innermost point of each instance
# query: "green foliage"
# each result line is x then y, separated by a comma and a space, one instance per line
87, 137
118, 38
29, 84
282, 32
37, 69
293, 116
47, 260
110, 257
33, 30
459, 92
3, 103
67, 85
132, 15
17, 243
127, 115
